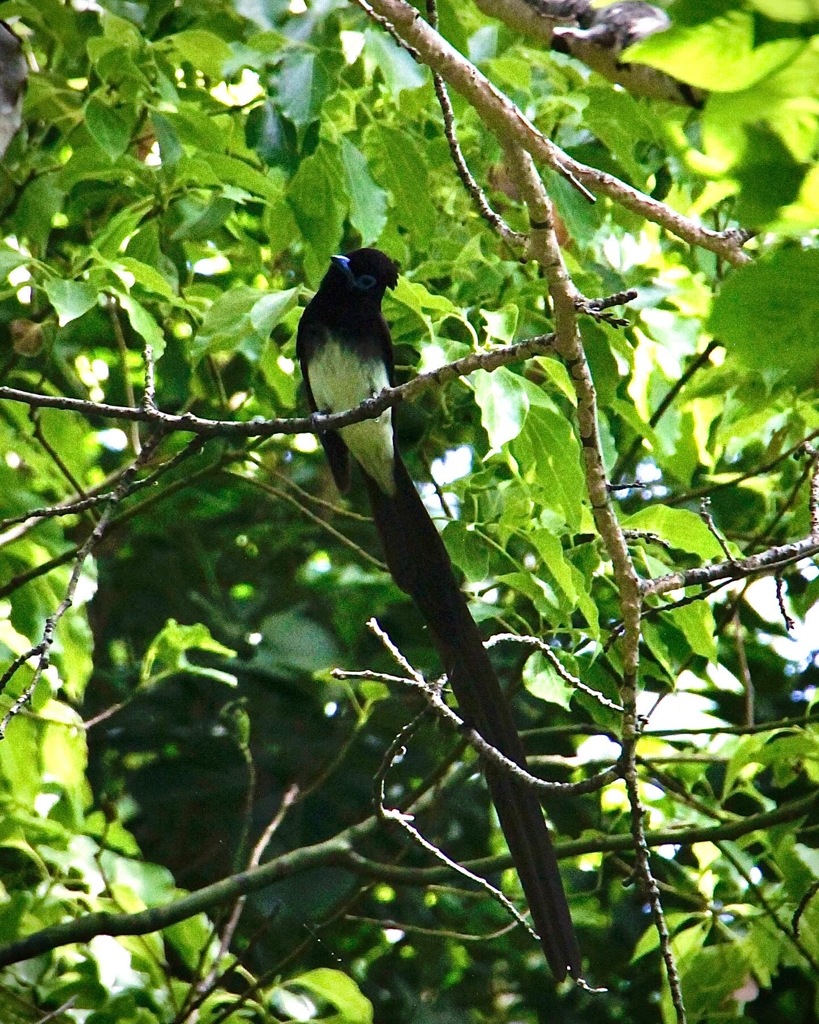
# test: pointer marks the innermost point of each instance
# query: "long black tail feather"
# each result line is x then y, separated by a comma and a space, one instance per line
420, 565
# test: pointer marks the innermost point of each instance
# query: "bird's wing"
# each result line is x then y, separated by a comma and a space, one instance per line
310, 336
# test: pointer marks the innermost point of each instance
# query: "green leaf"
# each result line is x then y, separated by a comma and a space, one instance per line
201, 220
273, 137
718, 55
404, 172
170, 146
121, 31
64, 749
279, 376
303, 86
570, 582
542, 680
293, 645
368, 202
38, 203
467, 550
232, 171
696, 621
710, 976
241, 320
121, 226
415, 296
548, 454
198, 128
318, 208
108, 128
340, 991
767, 313
502, 324
794, 11
9, 259
271, 308
539, 591
168, 653
204, 50
143, 274
768, 175
190, 938
504, 402
650, 939
143, 323
680, 527
399, 69
70, 299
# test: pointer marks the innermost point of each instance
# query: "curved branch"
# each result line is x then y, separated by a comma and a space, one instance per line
767, 561
316, 424
512, 128
339, 852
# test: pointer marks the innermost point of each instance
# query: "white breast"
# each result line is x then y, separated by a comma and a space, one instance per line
340, 381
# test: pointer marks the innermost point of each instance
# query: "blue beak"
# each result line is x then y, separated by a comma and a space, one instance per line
343, 264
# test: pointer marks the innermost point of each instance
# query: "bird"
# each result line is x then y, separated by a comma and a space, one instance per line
345, 352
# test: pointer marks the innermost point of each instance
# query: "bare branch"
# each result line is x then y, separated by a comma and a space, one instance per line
488, 360
432, 694
339, 852
42, 651
765, 562
404, 820
512, 128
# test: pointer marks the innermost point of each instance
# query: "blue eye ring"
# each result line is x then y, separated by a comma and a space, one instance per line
365, 282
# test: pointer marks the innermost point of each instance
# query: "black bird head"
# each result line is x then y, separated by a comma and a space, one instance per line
364, 272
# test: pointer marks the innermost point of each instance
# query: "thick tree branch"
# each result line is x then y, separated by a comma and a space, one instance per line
339, 852
545, 248
488, 360
573, 27
512, 128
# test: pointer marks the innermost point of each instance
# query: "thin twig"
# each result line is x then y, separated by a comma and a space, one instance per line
404, 820
432, 694
55, 511
514, 130
708, 519
43, 649
129, 513
557, 664
791, 935
389, 28
329, 506
649, 884
149, 395
112, 307
812, 890
440, 933
686, 497
277, 492
790, 625
512, 238
73, 507
563, 294
765, 562
744, 669
54, 1014
205, 985
814, 490
52, 451
339, 851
